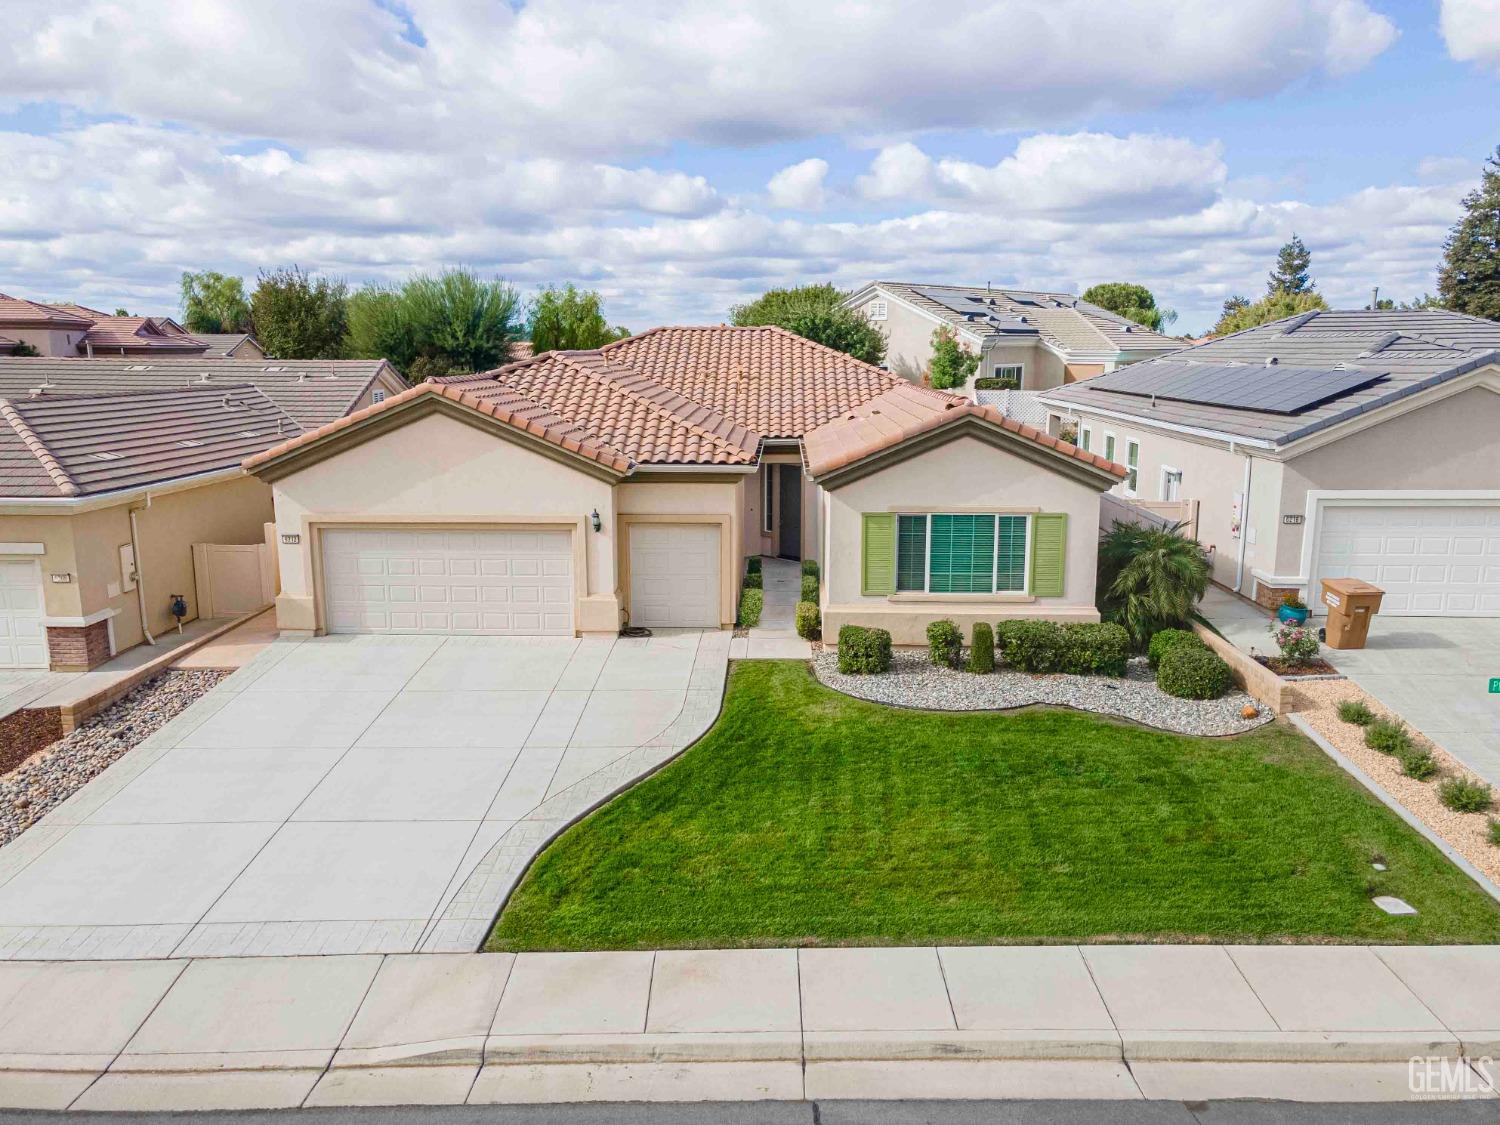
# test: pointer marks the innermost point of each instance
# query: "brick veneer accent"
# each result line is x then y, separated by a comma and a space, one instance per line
78, 649
1269, 597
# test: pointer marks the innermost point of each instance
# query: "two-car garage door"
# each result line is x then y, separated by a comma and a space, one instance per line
481, 582
1432, 560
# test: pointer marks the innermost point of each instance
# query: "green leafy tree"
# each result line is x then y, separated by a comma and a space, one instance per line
1274, 307
1469, 276
122, 312
22, 348
817, 313
1133, 302
1150, 579
951, 363
299, 316
214, 302
570, 319
435, 325
1291, 273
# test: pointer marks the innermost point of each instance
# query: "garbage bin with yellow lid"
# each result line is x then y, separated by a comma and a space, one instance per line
1351, 603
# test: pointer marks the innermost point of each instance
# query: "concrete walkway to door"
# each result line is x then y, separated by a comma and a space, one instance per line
775, 638
353, 794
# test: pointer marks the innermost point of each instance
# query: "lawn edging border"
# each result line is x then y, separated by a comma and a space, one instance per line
1390, 802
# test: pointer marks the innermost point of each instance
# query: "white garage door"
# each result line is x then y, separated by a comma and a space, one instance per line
500, 583
23, 642
1437, 561
674, 575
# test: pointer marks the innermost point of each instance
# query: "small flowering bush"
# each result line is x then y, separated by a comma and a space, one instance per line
1298, 643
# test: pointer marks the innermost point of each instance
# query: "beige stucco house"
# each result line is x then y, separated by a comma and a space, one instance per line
1330, 444
1036, 340
111, 472
576, 492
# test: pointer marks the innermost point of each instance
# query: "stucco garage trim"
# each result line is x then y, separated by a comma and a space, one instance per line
314, 525
728, 563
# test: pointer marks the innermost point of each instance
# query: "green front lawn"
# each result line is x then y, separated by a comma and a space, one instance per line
805, 816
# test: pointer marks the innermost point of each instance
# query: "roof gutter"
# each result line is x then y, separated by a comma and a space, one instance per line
1174, 427
71, 505
726, 470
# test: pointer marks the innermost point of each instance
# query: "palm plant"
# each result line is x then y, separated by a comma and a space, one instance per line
1150, 578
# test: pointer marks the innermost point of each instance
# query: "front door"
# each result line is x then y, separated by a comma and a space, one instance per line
789, 480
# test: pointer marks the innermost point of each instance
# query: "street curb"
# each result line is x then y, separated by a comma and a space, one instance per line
1398, 808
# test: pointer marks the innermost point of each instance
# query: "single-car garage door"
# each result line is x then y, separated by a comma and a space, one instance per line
489, 582
23, 643
1432, 561
674, 575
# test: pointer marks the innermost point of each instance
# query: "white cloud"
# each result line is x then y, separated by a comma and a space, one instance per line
1078, 174
557, 77
799, 187
1471, 29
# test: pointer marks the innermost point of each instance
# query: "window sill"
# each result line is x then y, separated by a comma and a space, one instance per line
997, 599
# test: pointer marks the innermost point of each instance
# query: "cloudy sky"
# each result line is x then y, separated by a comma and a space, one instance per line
680, 156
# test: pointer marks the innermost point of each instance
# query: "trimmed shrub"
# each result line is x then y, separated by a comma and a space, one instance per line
1168, 639
1495, 832
809, 588
1193, 672
982, 650
809, 621
945, 644
755, 581
1464, 794
1356, 711
862, 651
810, 566
1033, 646
752, 564
1417, 763
1095, 649
751, 603
1389, 736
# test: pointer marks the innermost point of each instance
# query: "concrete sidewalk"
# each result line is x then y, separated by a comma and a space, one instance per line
1320, 1023
775, 638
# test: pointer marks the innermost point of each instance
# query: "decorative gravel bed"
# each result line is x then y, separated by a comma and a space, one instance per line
914, 681
54, 774
1468, 833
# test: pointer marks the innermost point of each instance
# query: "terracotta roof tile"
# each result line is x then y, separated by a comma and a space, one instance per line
33, 314
904, 412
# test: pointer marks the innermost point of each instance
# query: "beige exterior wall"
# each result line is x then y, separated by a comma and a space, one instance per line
439, 470
697, 502
55, 534
387, 382
964, 475
908, 336
1450, 444
755, 539
48, 341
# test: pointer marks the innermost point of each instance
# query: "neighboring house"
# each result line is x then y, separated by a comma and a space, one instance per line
8, 346
1325, 445
102, 499
312, 391
1039, 340
67, 329
231, 345
579, 491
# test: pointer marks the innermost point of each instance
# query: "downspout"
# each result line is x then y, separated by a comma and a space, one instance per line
1239, 563
140, 580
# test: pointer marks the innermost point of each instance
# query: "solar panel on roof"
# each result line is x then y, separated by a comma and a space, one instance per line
1000, 319
1273, 390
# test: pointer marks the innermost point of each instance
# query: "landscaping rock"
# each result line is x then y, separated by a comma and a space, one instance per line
914, 681
60, 770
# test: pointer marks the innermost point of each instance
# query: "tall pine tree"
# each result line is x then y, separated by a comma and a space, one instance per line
1469, 277
1290, 274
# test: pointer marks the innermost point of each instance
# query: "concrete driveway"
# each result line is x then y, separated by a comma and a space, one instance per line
1434, 672
352, 794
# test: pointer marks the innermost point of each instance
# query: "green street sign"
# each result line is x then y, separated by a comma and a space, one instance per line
1495, 685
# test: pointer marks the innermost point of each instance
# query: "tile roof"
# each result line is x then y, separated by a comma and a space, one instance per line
505, 404
19, 312
83, 445
650, 422
1061, 319
312, 391
139, 333
220, 344
904, 412
1410, 350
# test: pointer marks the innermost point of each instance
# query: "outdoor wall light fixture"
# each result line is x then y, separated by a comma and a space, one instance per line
596, 521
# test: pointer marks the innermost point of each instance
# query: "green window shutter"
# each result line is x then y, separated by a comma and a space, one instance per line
878, 559
1049, 553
